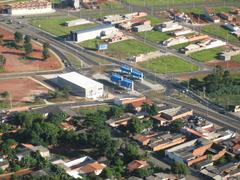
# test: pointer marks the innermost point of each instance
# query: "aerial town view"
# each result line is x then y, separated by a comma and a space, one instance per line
120, 89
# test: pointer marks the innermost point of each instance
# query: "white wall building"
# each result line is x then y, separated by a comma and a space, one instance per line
81, 166
206, 44
231, 27
93, 33
175, 41
81, 85
30, 8
168, 26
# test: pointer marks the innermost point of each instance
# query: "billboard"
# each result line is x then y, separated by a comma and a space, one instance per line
102, 46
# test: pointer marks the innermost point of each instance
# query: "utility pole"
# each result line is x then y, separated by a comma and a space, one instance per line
204, 91
145, 36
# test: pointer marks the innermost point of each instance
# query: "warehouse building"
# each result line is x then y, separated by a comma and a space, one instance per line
80, 85
92, 33
29, 8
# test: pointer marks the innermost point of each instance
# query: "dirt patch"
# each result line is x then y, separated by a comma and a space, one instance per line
22, 89
223, 64
16, 63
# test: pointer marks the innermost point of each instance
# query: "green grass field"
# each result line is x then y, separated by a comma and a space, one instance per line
180, 46
92, 109
111, 5
154, 36
56, 25
122, 49
154, 20
168, 64
220, 32
200, 10
91, 44
170, 3
207, 55
236, 58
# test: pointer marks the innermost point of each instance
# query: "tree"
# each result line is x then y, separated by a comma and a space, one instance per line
130, 108
180, 168
18, 37
28, 49
2, 60
95, 120
107, 173
176, 125
142, 172
45, 51
45, 54
5, 94
57, 118
27, 39
210, 156
153, 110
145, 107
135, 125
1, 171
7, 146
131, 152
25, 119
222, 160
115, 112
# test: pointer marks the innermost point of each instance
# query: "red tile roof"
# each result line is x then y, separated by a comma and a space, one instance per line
136, 164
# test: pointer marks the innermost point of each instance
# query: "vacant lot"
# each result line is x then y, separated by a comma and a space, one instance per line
207, 55
16, 63
154, 36
168, 64
56, 25
122, 49
218, 31
22, 89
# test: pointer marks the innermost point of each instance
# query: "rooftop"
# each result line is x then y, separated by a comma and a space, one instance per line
80, 80
135, 164
175, 111
100, 27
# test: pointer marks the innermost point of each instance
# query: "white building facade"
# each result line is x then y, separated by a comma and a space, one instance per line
30, 8
81, 85
93, 33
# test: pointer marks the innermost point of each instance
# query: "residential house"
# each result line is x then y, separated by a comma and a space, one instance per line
81, 166
167, 116
136, 164
165, 141
44, 152
210, 15
195, 151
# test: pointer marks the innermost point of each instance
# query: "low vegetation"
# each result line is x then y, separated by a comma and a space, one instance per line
154, 36
122, 49
56, 25
168, 64
207, 55
220, 32
221, 87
